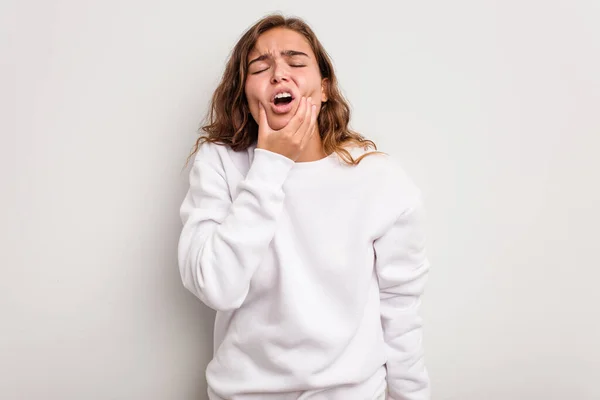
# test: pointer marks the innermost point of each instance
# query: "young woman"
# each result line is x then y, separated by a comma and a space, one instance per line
307, 242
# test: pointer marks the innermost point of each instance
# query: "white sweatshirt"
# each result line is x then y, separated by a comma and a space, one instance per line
316, 271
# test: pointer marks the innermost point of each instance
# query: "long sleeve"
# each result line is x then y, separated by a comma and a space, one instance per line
402, 268
223, 240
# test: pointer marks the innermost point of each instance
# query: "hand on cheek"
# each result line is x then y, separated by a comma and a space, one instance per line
291, 139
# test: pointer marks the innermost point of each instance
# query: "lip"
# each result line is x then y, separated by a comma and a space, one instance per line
283, 90
282, 108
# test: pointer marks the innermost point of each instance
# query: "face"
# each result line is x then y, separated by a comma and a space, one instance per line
281, 69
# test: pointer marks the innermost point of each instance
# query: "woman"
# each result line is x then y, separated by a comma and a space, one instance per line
308, 245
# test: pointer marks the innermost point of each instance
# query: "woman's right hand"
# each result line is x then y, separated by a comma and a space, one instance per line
290, 140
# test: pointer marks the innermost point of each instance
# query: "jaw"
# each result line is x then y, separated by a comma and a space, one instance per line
279, 121
279, 115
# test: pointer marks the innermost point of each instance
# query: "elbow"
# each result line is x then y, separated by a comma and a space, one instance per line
212, 289
218, 300
211, 281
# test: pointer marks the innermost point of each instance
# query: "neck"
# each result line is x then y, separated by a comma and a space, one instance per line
313, 150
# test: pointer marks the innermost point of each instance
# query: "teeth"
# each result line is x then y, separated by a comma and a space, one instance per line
282, 95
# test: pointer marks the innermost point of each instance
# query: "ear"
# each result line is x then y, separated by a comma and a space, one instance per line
324, 90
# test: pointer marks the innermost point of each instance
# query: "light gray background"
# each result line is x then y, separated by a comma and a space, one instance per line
492, 107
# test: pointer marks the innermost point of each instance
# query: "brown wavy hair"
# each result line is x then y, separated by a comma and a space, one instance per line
229, 121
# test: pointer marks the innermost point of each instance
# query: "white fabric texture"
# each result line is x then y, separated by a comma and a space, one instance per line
316, 270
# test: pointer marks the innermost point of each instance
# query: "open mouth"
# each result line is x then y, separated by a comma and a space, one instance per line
283, 98
283, 103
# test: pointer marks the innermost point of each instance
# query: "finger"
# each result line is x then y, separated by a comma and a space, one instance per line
313, 118
297, 119
303, 128
263, 123
312, 128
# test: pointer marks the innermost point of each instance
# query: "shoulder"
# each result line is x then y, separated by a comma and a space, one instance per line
388, 177
385, 168
210, 153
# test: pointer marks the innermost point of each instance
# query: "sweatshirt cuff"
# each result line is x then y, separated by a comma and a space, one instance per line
269, 167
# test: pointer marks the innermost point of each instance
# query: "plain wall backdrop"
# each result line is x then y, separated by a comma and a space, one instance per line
492, 107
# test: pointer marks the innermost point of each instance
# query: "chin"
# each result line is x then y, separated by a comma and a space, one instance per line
276, 122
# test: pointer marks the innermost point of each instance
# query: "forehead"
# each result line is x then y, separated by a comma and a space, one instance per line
278, 39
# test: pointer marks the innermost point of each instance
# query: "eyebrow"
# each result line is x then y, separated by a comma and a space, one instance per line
284, 53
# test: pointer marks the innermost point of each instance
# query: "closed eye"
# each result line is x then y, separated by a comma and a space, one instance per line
291, 65
258, 72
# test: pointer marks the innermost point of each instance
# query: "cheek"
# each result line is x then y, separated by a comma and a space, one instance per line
311, 84
251, 97
250, 90
255, 90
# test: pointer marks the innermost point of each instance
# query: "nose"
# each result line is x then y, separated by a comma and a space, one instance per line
280, 74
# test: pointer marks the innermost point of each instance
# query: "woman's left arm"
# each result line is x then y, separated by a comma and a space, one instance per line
402, 268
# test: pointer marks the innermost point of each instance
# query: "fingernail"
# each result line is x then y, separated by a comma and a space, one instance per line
309, 99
